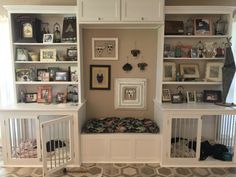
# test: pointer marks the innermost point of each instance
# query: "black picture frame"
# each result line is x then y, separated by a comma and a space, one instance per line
177, 98
31, 97
69, 29
61, 76
100, 77
212, 96
52, 72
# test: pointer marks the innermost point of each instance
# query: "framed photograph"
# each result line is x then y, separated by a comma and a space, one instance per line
61, 97
44, 94
48, 55
199, 97
72, 54
52, 72
41, 74
69, 29
48, 38
212, 96
191, 97
130, 93
105, 48
61, 76
189, 71
166, 96
194, 53
31, 97
169, 71
177, 98
23, 75
21, 54
100, 77
202, 26
74, 73
214, 71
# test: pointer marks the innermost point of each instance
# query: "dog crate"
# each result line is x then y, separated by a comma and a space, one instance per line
44, 140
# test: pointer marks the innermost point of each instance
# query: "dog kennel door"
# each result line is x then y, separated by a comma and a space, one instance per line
57, 144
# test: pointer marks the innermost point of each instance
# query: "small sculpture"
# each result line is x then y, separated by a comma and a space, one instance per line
127, 67
142, 66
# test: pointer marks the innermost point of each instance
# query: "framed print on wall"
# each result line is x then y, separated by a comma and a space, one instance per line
130, 93
105, 48
100, 77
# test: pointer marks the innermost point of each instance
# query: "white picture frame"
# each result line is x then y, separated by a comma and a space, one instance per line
214, 71
48, 55
191, 97
104, 48
189, 71
130, 93
48, 38
169, 71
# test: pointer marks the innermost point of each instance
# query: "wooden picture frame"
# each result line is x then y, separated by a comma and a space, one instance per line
48, 55
212, 96
214, 71
44, 94
169, 71
202, 26
100, 77
105, 48
191, 97
189, 71
130, 93
31, 97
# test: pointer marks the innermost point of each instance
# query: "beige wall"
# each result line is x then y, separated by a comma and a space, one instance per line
101, 103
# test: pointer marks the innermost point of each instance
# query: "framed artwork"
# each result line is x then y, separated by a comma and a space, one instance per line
72, 54
199, 97
22, 54
41, 74
166, 96
31, 97
48, 55
191, 97
202, 26
100, 77
44, 94
52, 72
169, 71
105, 48
212, 96
214, 71
74, 73
189, 71
69, 29
48, 38
23, 75
61, 97
194, 52
61, 76
130, 93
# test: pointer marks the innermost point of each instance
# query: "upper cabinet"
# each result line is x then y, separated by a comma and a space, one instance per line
121, 11
140, 10
99, 10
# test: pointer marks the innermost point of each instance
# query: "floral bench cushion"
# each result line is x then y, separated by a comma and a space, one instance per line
120, 125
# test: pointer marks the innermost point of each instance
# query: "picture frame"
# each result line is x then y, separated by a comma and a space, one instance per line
194, 52
214, 71
130, 93
61, 76
74, 73
40, 74
61, 97
169, 71
71, 54
44, 94
104, 48
48, 55
191, 97
177, 98
100, 77
166, 95
69, 29
23, 75
22, 54
212, 96
202, 26
47, 38
52, 72
199, 97
31, 97
189, 71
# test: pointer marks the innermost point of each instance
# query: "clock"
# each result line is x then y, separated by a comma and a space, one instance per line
28, 29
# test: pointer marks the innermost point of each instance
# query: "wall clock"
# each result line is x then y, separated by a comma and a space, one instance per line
28, 29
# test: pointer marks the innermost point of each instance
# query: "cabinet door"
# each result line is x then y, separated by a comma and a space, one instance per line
140, 10
99, 10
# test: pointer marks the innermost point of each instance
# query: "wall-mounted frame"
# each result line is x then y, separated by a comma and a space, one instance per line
105, 48
48, 55
202, 26
169, 71
100, 77
212, 96
214, 71
44, 94
130, 93
189, 71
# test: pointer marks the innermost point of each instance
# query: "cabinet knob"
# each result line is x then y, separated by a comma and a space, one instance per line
142, 18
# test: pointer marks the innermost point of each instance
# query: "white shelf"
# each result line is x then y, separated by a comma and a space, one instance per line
43, 62
46, 44
196, 36
191, 83
46, 83
174, 58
